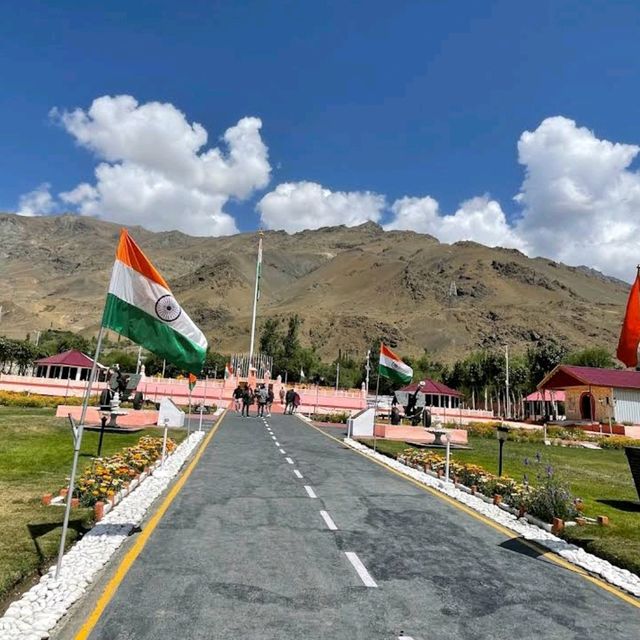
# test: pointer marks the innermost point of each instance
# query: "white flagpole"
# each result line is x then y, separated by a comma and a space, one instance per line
375, 409
204, 401
77, 441
255, 300
189, 414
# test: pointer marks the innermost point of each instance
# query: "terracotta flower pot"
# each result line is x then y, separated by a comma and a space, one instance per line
63, 493
521, 512
75, 503
98, 510
557, 526
497, 499
46, 498
474, 489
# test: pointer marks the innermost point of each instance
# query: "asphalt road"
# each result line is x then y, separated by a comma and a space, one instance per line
244, 552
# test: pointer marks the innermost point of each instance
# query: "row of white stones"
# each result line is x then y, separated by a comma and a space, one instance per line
621, 578
38, 611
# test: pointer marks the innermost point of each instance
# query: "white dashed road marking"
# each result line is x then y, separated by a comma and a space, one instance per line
289, 460
282, 451
298, 474
328, 520
361, 570
277, 443
310, 491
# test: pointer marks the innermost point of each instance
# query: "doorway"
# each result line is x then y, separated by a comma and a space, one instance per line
587, 406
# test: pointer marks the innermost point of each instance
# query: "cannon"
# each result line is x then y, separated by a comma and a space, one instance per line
125, 384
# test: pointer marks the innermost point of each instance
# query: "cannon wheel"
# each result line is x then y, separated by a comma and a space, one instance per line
138, 400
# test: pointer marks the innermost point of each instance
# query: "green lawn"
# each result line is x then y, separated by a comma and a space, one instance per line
35, 458
600, 477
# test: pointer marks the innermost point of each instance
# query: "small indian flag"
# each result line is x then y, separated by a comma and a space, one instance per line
141, 307
192, 381
392, 367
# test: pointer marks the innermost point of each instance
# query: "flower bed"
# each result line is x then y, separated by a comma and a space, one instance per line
101, 481
548, 499
34, 400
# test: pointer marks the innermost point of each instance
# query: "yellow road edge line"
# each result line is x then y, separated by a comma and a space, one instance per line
547, 553
138, 546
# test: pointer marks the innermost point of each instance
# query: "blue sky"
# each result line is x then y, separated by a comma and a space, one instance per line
404, 99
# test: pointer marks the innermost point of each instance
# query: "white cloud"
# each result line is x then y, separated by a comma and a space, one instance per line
37, 202
155, 171
581, 202
479, 219
294, 206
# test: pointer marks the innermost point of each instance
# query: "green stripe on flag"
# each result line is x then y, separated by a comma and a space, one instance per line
393, 374
153, 334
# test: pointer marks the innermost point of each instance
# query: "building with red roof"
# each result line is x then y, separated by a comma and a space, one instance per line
68, 365
431, 394
597, 395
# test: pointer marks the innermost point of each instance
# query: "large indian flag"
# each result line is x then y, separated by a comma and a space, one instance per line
392, 367
141, 307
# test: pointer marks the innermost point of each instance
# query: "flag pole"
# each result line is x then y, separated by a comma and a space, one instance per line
375, 409
256, 295
203, 402
77, 441
375, 406
189, 414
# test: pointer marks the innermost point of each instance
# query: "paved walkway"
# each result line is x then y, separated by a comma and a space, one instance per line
248, 550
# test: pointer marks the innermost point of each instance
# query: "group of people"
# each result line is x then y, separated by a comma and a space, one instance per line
245, 396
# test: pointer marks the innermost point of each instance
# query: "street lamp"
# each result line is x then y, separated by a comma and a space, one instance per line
502, 432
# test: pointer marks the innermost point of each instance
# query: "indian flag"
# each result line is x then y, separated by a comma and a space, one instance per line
392, 367
141, 307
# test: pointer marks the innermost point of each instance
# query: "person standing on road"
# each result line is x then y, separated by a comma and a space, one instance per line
282, 394
247, 400
262, 395
296, 402
270, 399
237, 398
289, 399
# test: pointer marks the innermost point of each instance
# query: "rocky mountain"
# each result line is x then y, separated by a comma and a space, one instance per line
350, 286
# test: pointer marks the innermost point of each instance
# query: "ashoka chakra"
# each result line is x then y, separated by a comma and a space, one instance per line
167, 308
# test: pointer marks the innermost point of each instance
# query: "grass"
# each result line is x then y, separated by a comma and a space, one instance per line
35, 458
601, 478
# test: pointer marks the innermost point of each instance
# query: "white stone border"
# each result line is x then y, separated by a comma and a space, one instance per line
621, 578
38, 611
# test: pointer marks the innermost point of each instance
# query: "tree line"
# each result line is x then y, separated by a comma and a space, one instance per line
480, 376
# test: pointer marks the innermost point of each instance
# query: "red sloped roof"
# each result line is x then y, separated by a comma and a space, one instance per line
564, 376
537, 396
432, 387
72, 358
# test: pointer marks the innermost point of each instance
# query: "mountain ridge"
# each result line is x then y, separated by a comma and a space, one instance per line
350, 286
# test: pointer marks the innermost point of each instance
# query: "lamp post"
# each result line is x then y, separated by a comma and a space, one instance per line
502, 432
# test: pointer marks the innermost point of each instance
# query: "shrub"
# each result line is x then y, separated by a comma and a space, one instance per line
335, 418
482, 429
34, 400
617, 442
552, 499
